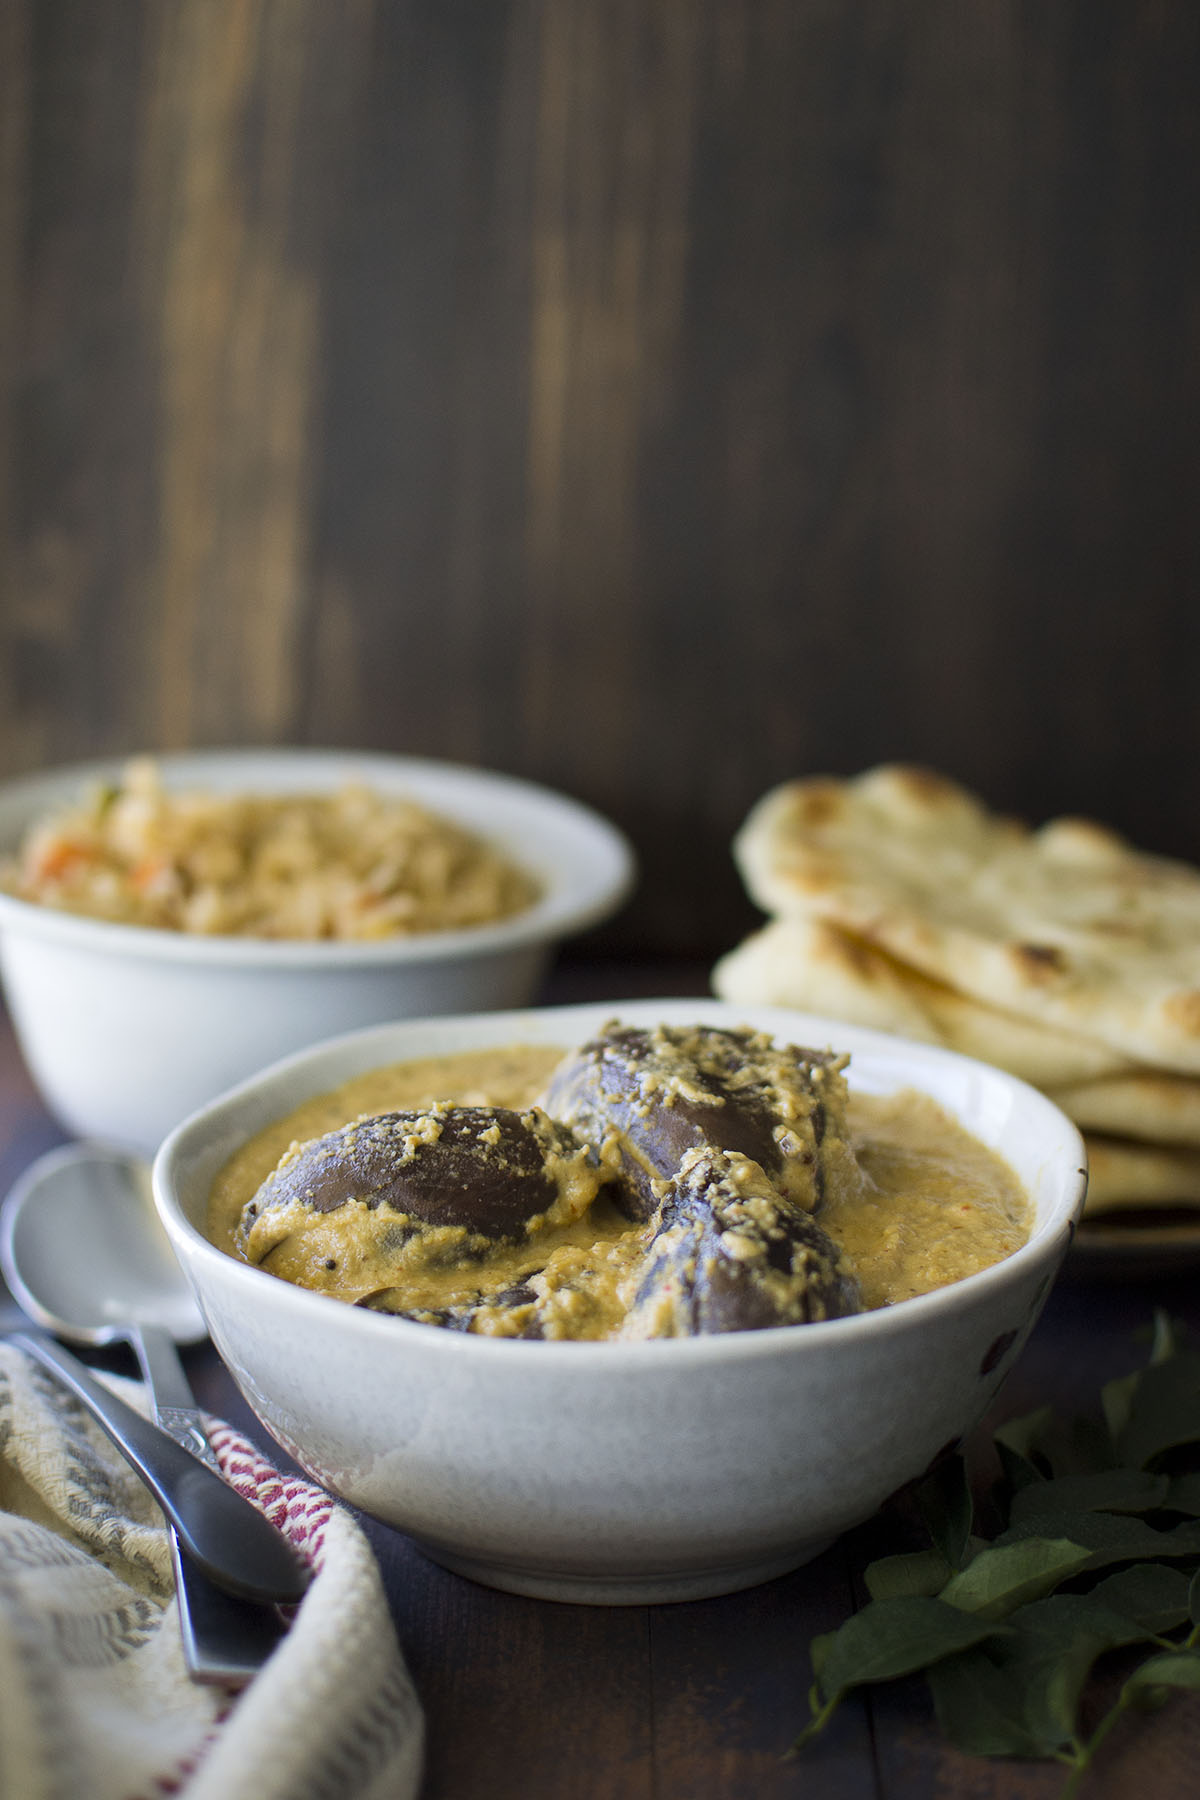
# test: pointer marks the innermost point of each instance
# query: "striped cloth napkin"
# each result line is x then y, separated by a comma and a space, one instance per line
95, 1699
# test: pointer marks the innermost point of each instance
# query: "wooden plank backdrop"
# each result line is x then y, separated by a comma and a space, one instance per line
655, 399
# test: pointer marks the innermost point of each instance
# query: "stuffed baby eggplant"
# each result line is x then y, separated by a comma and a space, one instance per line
665, 1091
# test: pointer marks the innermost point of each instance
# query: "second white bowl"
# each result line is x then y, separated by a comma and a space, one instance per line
127, 1030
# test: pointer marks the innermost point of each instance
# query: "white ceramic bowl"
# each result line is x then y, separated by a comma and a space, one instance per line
623, 1472
127, 1030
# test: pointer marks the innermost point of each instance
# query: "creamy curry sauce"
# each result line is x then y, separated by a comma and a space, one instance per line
934, 1204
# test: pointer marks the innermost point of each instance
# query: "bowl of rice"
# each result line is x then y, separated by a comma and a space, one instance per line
170, 925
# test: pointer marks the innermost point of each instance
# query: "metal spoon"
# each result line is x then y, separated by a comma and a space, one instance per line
84, 1254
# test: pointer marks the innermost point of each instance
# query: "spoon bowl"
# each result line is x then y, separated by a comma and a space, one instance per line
85, 1254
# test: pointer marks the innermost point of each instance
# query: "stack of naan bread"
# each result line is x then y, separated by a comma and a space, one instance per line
1061, 954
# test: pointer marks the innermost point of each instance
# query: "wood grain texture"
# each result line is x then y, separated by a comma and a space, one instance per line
237, 324
654, 400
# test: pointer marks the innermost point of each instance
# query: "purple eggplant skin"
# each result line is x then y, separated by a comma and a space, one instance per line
484, 1168
729, 1253
519, 1299
670, 1090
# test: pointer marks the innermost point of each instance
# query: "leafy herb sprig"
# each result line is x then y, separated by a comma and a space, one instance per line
1098, 1549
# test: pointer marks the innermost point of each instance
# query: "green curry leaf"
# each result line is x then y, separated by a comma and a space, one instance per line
1177, 1669
1007, 1576
947, 1506
1101, 1551
1110, 1490
1164, 1411
1112, 1537
918, 1572
1027, 1435
1183, 1495
888, 1638
980, 1707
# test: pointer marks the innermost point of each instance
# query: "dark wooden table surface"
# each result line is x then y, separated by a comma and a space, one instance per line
528, 1700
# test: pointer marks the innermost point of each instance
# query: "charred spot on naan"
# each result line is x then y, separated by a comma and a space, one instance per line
1038, 963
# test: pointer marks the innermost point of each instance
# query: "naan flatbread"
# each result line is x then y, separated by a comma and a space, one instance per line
1066, 926
1122, 1176
1157, 1109
812, 965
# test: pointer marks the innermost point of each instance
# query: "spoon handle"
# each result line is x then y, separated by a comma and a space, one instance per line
226, 1640
167, 1384
230, 1540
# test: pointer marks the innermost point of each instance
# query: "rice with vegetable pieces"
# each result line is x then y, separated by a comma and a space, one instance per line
348, 865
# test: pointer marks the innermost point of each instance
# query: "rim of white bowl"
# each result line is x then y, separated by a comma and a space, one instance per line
1046, 1242
585, 864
